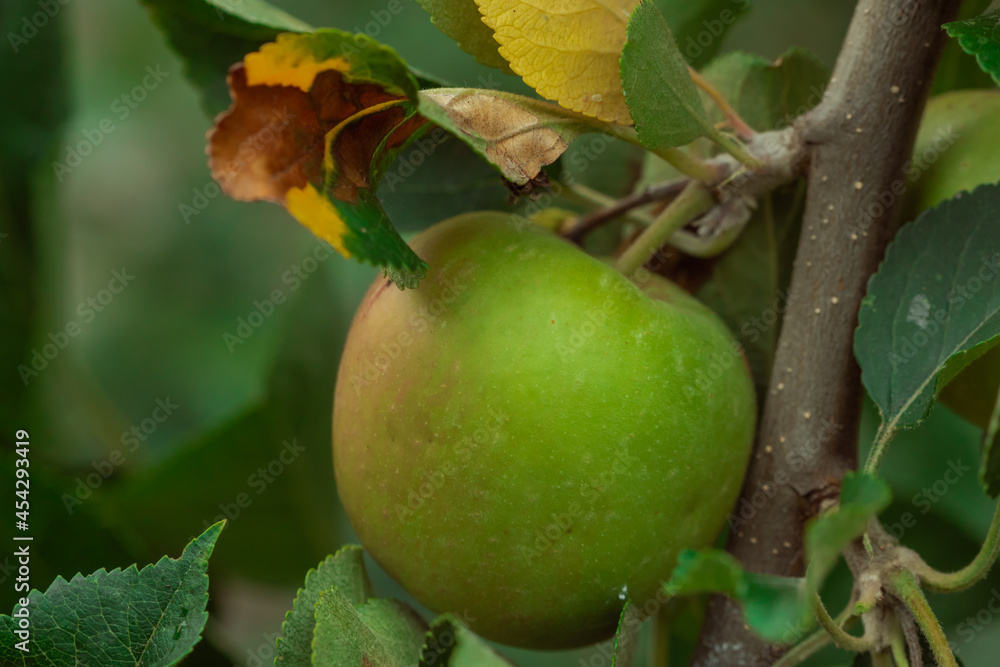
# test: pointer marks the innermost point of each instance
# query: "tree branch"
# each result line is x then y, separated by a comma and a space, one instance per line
859, 136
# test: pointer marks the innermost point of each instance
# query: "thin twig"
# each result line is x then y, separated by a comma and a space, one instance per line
592, 221
739, 126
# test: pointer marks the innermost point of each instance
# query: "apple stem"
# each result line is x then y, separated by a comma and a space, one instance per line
951, 582
693, 200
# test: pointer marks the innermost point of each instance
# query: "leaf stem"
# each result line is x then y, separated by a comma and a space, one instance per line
882, 439
681, 160
806, 648
688, 165
694, 200
840, 637
731, 146
739, 126
951, 582
904, 585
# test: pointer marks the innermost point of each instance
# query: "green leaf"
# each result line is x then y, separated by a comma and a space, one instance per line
149, 618
212, 35
517, 134
380, 633
932, 306
700, 27
449, 643
956, 70
989, 466
461, 21
770, 603
980, 37
748, 286
650, 61
59, 517
767, 95
862, 497
627, 636
345, 571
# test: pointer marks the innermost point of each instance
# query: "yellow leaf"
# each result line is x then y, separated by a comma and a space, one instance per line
567, 50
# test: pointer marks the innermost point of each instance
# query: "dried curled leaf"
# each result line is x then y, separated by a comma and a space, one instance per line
517, 134
567, 50
315, 120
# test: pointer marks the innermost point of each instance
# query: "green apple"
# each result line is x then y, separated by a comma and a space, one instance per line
528, 438
958, 148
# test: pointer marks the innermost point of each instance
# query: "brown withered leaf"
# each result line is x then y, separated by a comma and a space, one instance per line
315, 119
274, 137
270, 140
